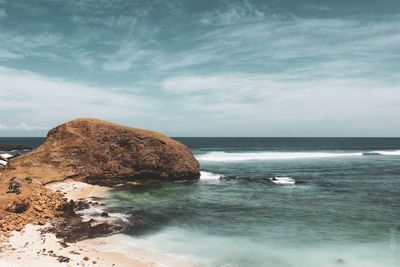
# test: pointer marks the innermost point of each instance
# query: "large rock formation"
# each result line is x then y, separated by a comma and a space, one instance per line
101, 152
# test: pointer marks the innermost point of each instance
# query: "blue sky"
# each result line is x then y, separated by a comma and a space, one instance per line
202, 68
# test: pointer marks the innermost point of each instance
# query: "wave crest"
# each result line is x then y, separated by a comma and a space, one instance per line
384, 153
253, 156
209, 176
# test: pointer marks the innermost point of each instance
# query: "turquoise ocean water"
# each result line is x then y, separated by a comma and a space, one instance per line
343, 211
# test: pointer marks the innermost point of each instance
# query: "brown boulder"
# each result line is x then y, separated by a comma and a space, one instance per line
101, 152
18, 205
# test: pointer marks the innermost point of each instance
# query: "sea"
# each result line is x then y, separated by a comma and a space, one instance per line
343, 210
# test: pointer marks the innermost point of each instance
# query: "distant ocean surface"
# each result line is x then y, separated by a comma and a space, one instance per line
345, 210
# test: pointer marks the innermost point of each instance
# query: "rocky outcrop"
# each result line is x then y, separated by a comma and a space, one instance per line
89, 150
105, 153
35, 204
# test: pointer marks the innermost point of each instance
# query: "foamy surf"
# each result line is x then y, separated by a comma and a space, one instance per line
259, 156
209, 176
94, 212
384, 153
282, 180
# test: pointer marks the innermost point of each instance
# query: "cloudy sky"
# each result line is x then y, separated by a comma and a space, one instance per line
202, 68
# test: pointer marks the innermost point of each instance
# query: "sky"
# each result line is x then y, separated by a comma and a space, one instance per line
276, 68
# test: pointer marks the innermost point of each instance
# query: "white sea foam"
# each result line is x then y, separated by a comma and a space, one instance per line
209, 176
386, 152
260, 156
201, 248
282, 180
95, 212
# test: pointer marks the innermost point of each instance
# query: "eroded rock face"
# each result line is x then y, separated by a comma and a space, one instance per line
101, 152
35, 204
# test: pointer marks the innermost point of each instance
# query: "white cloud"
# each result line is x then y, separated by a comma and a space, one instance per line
29, 97
124, 58
22, 126
226, 87
3, 14
238, 63
270, 98
45, 45
288, 43
4, 54
318, 8
233, 14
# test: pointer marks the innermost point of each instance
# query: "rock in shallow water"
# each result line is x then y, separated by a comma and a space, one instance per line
100, 152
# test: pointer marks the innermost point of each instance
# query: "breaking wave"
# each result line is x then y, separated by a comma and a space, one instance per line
209, 176
260, 156
220, 156
384, 153
94, 212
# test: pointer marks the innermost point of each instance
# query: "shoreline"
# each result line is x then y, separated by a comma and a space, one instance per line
33, 247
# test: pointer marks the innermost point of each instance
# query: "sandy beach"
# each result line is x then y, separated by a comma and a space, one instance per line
31, 247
